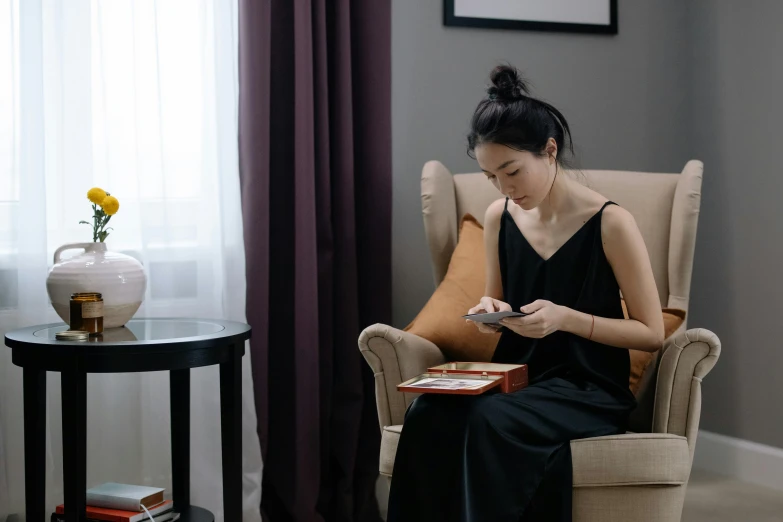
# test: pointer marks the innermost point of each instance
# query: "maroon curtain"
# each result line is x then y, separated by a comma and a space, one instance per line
315, 166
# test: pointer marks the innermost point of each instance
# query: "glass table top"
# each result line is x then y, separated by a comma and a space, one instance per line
145, 330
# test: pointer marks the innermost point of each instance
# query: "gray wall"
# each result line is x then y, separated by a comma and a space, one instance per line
699, 79
737, 288
624, 95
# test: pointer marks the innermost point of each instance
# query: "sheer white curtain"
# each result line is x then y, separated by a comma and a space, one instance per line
138, 97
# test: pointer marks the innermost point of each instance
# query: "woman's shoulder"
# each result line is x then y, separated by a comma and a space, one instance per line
619, 230
494, 212
616, 219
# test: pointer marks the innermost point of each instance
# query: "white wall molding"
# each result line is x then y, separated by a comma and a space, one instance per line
740, 459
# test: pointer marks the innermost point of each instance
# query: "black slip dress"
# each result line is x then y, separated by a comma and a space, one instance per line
507, 457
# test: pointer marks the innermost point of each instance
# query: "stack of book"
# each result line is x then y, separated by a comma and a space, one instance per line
112, 502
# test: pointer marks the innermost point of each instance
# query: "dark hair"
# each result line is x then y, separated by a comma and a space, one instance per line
510, 116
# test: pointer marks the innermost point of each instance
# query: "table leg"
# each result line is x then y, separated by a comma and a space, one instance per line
74, 404
231, 434
35, 443
179, 388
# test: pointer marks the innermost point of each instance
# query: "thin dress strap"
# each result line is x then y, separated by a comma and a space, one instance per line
505, 207
610, 202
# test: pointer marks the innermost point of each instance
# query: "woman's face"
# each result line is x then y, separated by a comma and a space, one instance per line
523, 177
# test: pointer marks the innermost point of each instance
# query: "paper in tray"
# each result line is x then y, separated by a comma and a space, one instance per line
514, 375
445, 378
451, 384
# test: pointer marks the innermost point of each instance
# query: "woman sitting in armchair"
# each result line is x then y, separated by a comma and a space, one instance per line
561, 253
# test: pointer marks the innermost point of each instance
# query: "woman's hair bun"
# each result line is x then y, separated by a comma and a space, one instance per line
510, 116
507, 84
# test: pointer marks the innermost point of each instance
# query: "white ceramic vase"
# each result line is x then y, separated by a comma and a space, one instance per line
118, 277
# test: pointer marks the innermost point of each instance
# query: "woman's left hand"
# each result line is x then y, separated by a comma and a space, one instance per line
545, 318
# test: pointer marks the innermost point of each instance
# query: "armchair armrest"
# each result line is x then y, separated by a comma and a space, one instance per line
686, 359
395, 356
631, 459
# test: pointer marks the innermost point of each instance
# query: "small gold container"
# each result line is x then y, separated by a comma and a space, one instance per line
71, 335
86, 312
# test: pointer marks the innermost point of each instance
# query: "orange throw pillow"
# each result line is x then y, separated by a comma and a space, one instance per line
672, 319
440, 321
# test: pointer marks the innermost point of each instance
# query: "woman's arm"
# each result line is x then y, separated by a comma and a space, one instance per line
493, 286
627, 254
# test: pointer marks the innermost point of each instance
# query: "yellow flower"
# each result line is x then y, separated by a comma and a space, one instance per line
96, 195
110, 205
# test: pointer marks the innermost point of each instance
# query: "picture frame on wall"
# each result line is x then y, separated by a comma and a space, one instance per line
572, 16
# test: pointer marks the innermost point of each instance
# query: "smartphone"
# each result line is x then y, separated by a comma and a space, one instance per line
492, 318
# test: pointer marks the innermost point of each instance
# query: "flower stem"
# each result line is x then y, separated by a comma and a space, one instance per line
94, 223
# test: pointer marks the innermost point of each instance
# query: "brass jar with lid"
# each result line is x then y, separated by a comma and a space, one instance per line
86, 312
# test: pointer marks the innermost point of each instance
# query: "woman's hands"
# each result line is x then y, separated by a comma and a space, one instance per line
488, 305
545, 318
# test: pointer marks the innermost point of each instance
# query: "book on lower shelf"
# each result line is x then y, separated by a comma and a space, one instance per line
162, 512
468, 378
127, 497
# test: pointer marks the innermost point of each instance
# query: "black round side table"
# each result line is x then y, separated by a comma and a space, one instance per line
143, 345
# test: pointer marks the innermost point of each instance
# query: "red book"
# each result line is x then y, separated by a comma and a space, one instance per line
118, 515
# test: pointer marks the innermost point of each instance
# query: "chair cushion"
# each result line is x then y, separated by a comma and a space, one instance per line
632, 459
440, 321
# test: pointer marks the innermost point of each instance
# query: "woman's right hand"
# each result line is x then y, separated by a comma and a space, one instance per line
488, 305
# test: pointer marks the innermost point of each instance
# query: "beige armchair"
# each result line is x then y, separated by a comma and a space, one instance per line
639, 476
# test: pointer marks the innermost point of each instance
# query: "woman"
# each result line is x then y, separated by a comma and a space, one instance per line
562, 253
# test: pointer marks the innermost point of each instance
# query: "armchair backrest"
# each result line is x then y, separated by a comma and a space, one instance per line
664, 205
